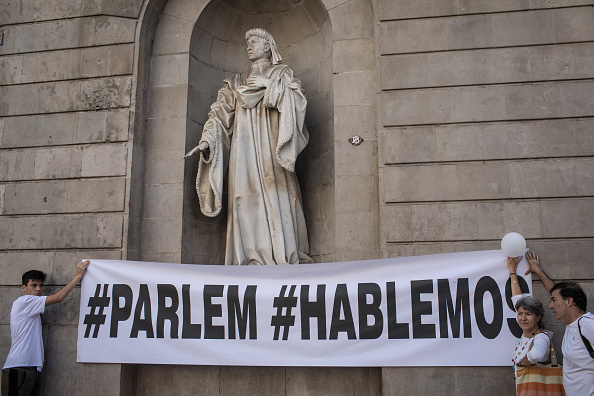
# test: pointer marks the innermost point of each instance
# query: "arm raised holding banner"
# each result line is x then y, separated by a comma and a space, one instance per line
61, 294
534, 267
534, 343
25, 357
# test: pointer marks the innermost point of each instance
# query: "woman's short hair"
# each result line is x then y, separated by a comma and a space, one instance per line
534, 306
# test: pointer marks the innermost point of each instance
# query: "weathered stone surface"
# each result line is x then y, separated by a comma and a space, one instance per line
59, 267
316, 44
351, 20
39, 130
356, 231
64, 262
63, 376
56, 162
318, 203
2, 190
7, 297
168, 101
170, 69
567, 218
17, 165
333, 381
203, 242
104, 160
251, 380
65, 128
66, 312
11, 67
509, 140
65, 96
491, 180
69, 33
354, 120
486, 30
431, 8
493, 103
164, 167
356, 194
4, 335
161, 198
487, 220
488, 66
321, 239
354, 89
355, 160
415, 9
420, 183
94, 196
172, 35
156, 379
573, 24
447, 380
316, 172
495, 219
422, 248
61, 232
552, 178
128, 8
162, 236
23, 11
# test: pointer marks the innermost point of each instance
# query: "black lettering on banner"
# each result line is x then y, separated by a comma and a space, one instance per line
420, 308
341, 301
167, 291
488, 330
512, 323
189, 330
395, 330
235, 311
213, 311
120, 313
313, 309
143, 308
96, 317
367, 331
446, 308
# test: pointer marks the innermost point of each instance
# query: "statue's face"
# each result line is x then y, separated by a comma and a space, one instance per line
256, 48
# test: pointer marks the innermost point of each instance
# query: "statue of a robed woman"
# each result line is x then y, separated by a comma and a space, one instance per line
256, 130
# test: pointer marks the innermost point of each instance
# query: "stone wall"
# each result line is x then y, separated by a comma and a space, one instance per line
66, 84
485, 127
476, 118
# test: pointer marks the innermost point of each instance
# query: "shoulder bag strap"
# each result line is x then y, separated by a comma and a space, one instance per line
585, 340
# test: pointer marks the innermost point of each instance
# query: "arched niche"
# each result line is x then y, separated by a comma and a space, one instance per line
217, 50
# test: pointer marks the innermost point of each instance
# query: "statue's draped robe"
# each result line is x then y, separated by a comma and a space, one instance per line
257, 134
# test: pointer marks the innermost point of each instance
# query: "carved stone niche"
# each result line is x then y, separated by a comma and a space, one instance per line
303, 33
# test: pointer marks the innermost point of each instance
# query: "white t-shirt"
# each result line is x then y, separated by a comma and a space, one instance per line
578, 365
26, 348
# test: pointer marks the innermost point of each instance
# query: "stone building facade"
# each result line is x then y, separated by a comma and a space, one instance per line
477, 118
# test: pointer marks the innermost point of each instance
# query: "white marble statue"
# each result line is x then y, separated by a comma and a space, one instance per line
256, 130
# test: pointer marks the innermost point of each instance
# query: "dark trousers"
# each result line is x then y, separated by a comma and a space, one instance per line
20, 381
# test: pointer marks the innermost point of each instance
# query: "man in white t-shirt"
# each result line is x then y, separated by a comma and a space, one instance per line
25, 358
569, 304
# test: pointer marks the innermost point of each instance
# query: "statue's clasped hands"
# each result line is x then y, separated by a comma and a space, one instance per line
203, 146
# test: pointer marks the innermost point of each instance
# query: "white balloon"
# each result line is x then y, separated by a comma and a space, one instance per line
513, 244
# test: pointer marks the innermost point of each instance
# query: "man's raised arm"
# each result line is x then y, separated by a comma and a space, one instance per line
534, 267
63, 292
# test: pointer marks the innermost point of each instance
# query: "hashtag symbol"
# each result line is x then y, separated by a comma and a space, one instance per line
287, 320
96, 318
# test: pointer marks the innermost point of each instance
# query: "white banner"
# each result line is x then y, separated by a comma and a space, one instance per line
439, 310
